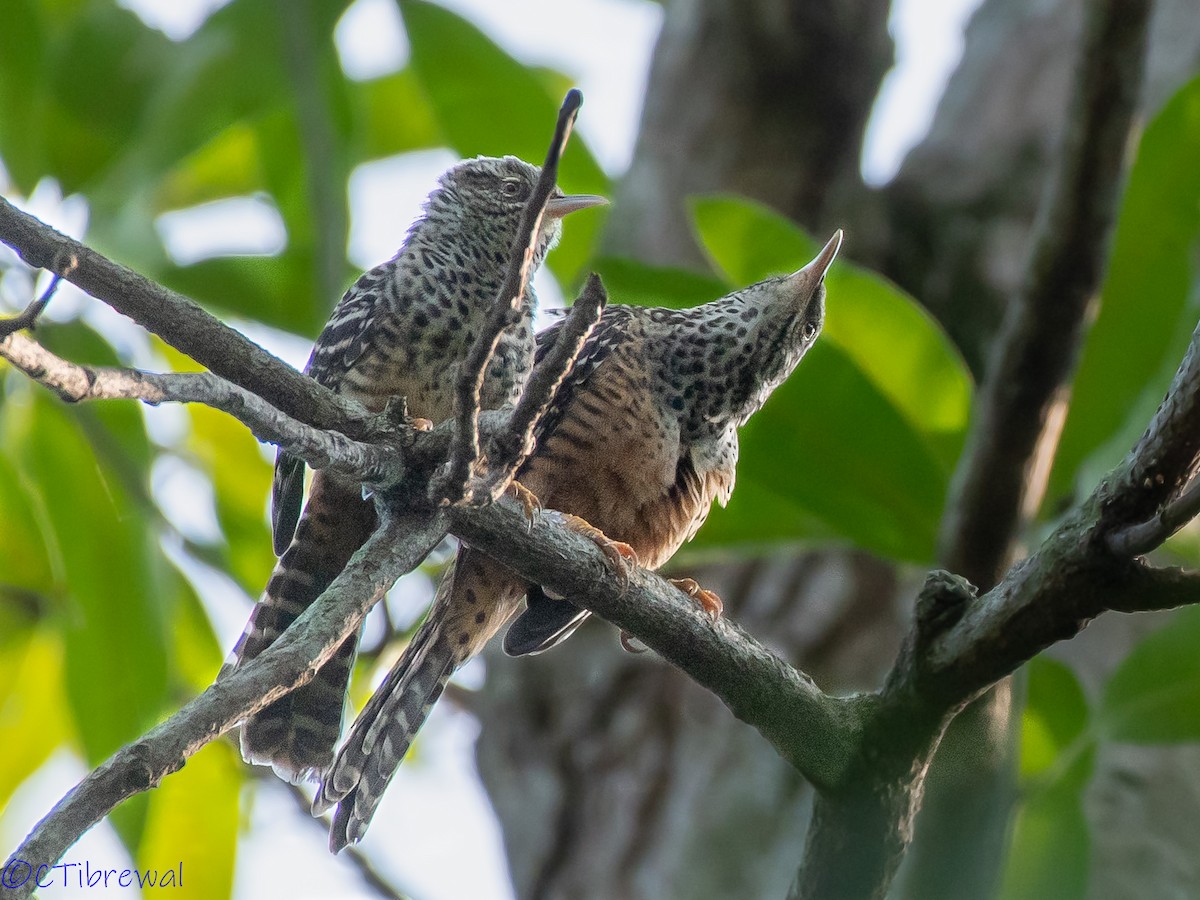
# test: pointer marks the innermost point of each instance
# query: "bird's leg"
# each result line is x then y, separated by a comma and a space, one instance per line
527, 498
623, 557
709, 601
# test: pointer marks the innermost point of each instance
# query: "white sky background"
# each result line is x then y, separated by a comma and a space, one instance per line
435, 804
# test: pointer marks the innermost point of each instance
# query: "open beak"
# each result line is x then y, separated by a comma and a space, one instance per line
559, 205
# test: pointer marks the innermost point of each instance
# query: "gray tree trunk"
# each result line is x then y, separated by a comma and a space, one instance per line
612, 775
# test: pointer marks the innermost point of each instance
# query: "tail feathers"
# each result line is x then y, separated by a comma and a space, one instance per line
296, 734
382, 735
287, 493
545, 623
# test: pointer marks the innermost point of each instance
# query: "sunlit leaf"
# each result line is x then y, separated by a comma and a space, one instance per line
33, 708
1154, 695
241, 479
193, 823
1145, 318
112, 618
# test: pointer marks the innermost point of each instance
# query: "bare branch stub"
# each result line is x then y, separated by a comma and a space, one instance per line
1143, 537
465, 452
513, 444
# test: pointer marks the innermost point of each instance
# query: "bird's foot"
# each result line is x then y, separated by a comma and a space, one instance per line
623, 557
527, 498
709, 602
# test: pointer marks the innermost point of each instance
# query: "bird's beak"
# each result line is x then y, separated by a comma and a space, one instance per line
808, 279
559, 205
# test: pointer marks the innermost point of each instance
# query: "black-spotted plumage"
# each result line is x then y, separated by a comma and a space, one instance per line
640, 440
402, 329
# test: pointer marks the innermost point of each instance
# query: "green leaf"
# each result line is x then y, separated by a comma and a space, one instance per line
861, 441
112, 612
33, 720
895, 343
193, 822
488, 103
22, 91
1055, 749
629, 281
831, 449
1145, 317
395, 115
1154, 695
241, 479
1051, 849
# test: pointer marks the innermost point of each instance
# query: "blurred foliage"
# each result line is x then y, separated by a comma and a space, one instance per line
101, 636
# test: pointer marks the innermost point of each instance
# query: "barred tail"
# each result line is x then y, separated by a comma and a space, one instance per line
475, 598
383, 733
296, 734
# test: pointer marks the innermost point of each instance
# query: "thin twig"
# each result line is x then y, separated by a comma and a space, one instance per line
515, 442
373, 463
465, 454
28, 317
1143, 537
394, 549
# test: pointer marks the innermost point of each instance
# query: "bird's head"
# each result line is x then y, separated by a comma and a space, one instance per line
490, 193
751, 341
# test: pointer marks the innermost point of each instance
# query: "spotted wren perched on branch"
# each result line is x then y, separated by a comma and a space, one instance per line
402, 329
639, 441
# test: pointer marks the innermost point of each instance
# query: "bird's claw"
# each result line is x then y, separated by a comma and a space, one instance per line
630, 644
527, 498
709, 602
624, 559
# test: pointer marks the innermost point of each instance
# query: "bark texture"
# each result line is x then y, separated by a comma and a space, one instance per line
614, 777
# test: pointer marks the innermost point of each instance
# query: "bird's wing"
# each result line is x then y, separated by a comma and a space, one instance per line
340, 345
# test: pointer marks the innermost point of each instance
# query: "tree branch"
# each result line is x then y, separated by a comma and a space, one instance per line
1023, 399
371, 463
182, 324
514, 443
394, 549
813, 731
28, 317
465, 451
1021, 406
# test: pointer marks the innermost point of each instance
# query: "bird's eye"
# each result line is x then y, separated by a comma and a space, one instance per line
810, 331
511, 188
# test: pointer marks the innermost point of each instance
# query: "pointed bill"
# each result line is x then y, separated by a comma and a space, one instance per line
559, 206
819, 266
